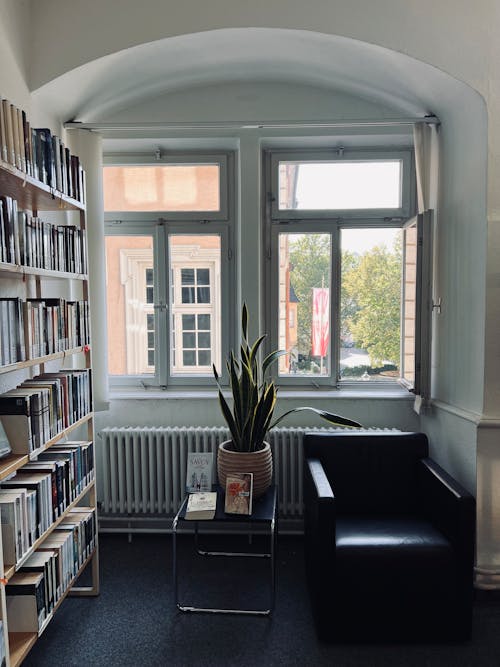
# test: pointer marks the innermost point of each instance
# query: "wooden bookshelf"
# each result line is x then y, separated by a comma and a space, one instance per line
37, 197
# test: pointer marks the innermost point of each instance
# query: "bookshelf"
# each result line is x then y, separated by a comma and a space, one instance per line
36, 198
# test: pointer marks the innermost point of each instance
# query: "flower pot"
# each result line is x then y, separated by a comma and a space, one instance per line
260, 463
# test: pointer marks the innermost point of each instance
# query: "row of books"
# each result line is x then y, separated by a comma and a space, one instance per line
37, 327
39, 153
34, 591
40, 492
29, 241
41, 408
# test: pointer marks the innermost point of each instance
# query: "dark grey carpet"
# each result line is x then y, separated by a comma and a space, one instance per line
134, 622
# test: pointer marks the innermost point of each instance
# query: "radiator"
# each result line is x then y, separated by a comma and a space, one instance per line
143, 470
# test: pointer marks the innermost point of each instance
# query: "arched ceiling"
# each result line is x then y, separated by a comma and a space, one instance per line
109, 84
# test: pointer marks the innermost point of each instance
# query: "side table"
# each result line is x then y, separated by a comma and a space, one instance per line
264, 513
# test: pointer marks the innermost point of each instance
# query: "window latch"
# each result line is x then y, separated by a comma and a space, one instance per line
436, 306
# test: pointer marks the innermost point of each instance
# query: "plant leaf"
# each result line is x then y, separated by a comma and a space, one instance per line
271, 358
226, 411
330, 417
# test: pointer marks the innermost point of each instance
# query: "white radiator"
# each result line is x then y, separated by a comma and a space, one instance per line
143, 470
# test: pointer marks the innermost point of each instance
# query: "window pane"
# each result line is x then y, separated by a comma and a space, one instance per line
304, 290
195, 262
204, 340
173, 187
370, 309
204, 358
187, 276
203, 294
189, 358
204, 322
129, 266
202, 276
188, 295
188, 322
188, 340
340, 185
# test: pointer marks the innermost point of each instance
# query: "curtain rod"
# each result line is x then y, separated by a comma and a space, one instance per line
248, 125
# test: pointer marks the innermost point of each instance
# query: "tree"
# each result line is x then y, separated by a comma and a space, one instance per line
375, 285
309, 267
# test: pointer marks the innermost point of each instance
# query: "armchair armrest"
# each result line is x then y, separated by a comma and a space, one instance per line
450, 507
319, 523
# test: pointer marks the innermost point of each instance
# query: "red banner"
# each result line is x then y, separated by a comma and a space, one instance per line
320, 321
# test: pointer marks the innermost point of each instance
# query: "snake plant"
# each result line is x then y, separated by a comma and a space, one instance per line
254, 396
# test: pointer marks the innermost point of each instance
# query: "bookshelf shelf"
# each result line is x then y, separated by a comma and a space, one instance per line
38, 323
21, 271
41, 360
33, 194
11, 463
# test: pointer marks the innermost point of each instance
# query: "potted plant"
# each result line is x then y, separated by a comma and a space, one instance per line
252, 413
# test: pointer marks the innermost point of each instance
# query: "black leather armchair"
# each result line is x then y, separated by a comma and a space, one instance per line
389, 540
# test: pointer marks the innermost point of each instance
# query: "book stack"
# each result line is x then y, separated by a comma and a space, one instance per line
41, 408
39, 153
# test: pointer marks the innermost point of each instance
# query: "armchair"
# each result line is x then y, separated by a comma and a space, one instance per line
389, 540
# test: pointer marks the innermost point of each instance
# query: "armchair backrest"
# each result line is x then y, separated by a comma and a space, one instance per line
370, 473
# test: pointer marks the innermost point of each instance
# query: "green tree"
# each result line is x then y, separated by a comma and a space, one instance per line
309, 267
375, 286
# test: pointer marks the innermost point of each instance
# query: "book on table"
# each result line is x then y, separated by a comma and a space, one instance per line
239, 487
199, 471
201, 506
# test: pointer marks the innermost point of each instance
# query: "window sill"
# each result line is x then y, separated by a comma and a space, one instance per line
345, 393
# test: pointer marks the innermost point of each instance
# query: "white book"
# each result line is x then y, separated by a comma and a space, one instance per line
201, 506
199, 474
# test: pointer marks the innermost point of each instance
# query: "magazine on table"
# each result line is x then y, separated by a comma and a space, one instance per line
199, 473
239, 487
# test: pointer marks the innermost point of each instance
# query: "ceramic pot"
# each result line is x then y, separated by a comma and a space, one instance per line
260, 463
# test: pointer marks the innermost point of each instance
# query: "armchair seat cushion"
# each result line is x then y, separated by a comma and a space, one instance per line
384, 563
385, 537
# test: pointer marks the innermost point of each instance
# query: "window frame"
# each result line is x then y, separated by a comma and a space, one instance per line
160, 224
332, 222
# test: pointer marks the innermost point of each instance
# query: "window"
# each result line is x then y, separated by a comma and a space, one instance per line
342, 262
168, 270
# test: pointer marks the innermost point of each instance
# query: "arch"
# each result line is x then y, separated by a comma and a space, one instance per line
357, 68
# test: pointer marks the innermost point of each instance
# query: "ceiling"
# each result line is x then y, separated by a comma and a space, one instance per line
97, 90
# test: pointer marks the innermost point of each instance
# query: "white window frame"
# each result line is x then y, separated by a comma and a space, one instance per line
332, 222
159, 225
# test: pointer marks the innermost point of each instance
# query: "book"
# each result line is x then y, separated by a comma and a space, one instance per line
239, 487
201, 506
199, 471
5, 448
26, 602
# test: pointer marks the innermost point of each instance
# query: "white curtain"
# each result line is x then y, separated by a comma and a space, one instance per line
425, 139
